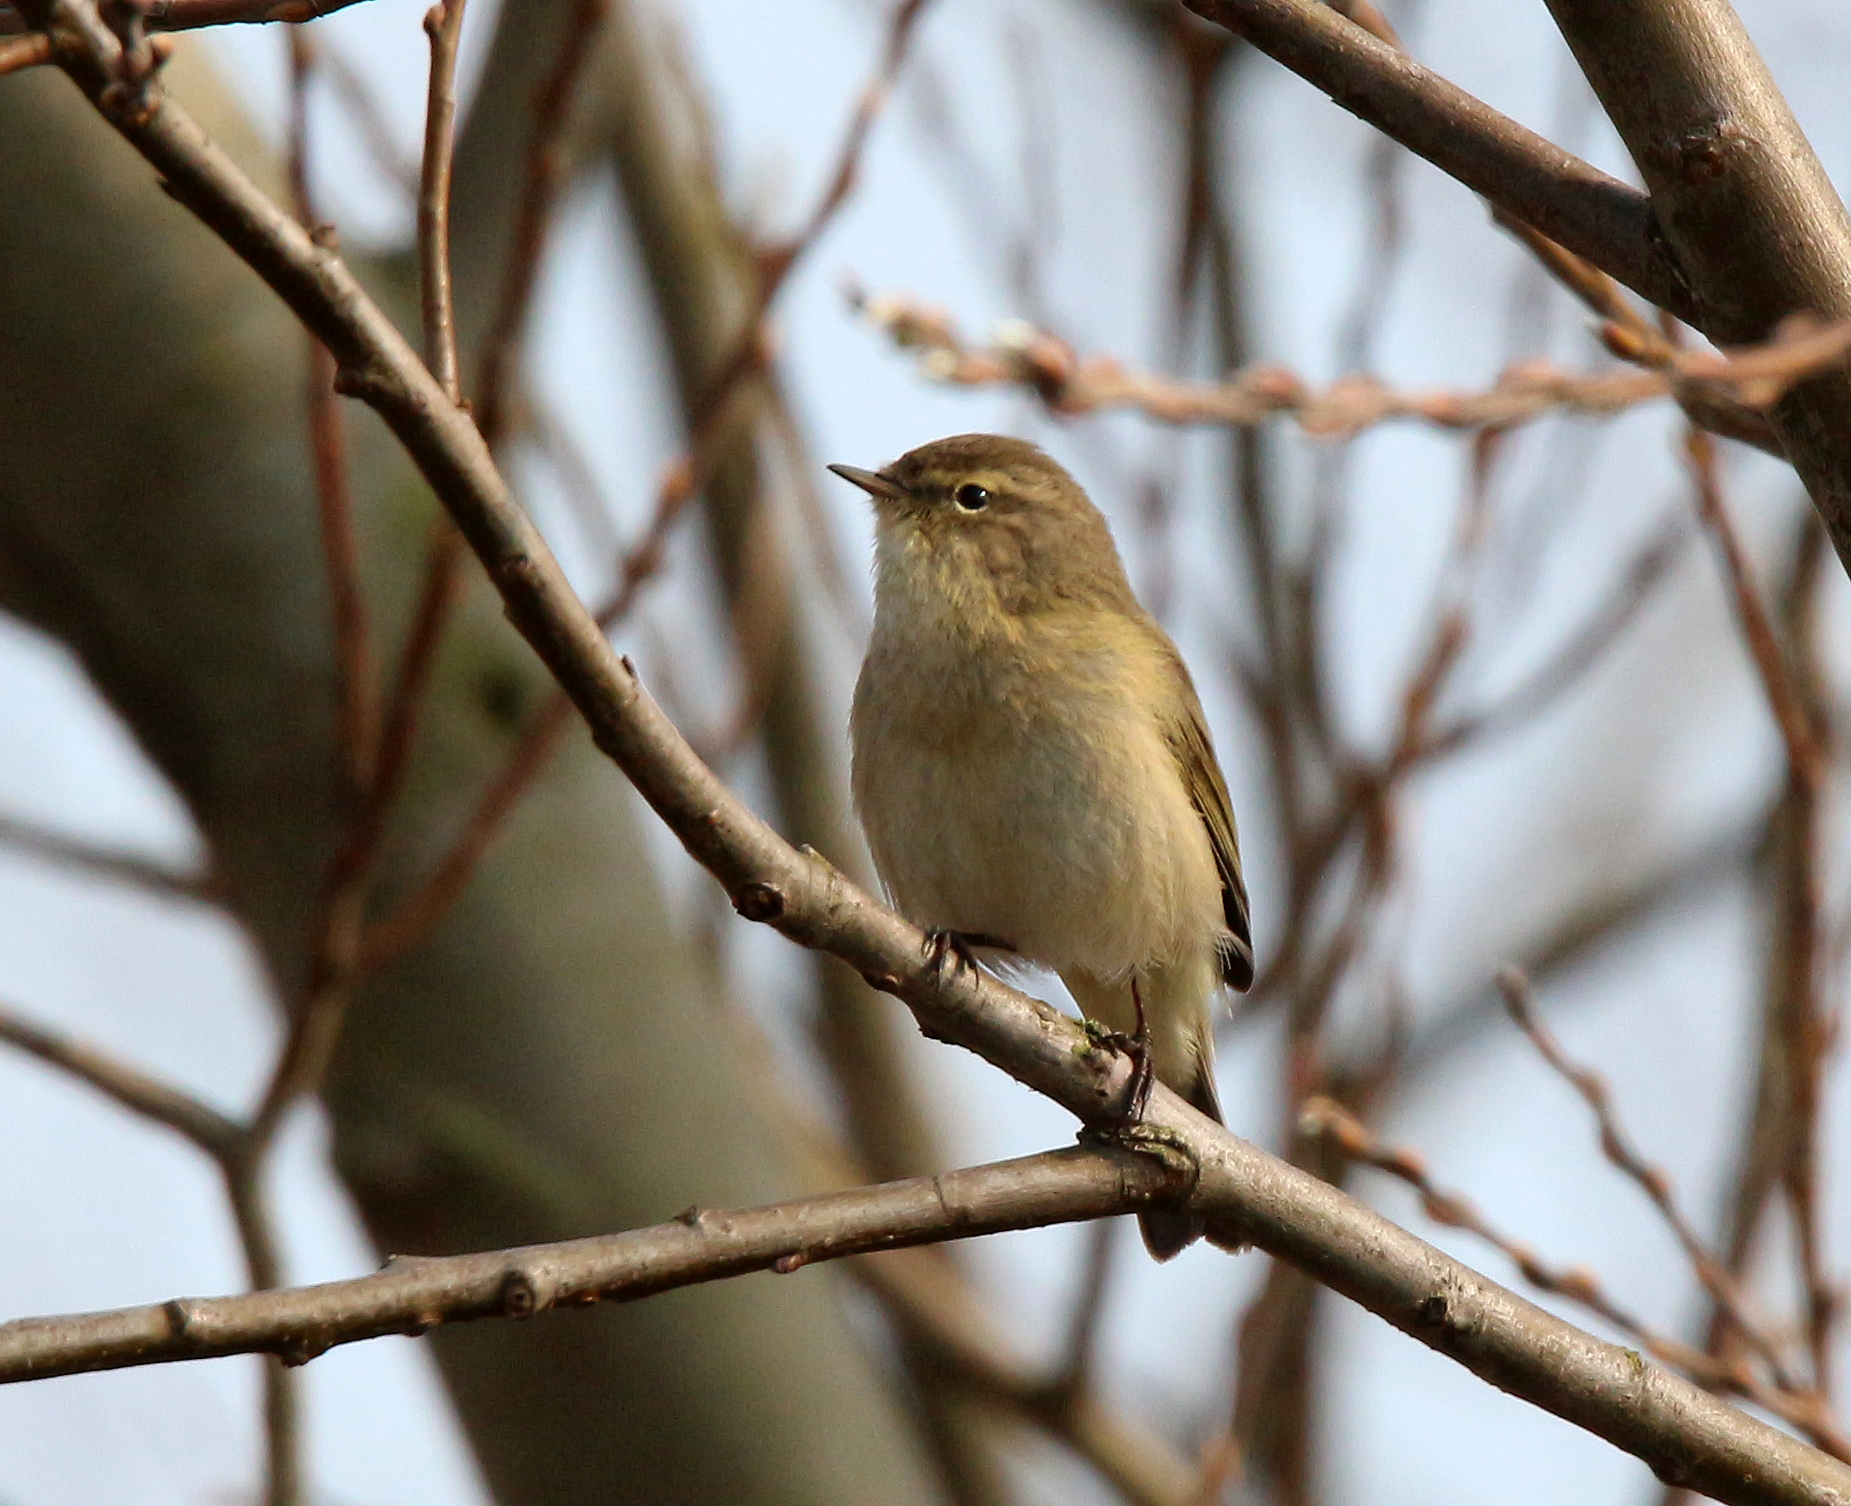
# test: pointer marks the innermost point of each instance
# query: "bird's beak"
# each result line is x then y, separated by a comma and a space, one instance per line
881, 488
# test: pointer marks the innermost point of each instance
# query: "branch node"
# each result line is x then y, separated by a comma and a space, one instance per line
795, 1261
520, 1297
362, 382
298, 1349
179, 1315
759, 901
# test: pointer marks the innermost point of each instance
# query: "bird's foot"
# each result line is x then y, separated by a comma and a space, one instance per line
1137, 1047
959, 949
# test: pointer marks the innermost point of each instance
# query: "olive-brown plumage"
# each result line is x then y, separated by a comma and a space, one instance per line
1030, 759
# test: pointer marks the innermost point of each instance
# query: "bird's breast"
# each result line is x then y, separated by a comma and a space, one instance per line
1020, 788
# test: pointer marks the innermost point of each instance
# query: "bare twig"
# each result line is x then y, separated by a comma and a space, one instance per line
128, 1086
444, 554
1023, 356
229, 1145
546, 165
357, 701
131, 868
443, 24
961, 1346
1791, 716
1615, 1145
1632, 591
420, 910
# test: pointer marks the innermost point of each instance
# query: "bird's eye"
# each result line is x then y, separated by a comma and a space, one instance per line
971, 497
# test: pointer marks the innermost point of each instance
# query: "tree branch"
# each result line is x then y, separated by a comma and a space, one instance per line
412, 1294
1745, 206
1553, 191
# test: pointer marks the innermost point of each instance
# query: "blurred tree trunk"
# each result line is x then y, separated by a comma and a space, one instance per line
545, 1065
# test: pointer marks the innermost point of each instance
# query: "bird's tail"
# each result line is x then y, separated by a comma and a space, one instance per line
1178, 999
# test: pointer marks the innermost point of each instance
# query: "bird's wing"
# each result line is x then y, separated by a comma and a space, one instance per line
1187, 735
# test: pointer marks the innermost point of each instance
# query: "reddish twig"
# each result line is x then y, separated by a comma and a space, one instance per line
1652, 1180
30, 51
1777, 683
356, 727
1068, 383
445, 553
546, 165
1632, 591
190, 15
214, 1133
1795, 709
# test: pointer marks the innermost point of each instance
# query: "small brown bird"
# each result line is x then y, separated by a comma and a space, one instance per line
1030, 760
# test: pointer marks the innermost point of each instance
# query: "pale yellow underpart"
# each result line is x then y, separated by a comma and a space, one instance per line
1058, 822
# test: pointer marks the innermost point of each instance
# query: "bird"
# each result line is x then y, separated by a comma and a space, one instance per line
1030, 761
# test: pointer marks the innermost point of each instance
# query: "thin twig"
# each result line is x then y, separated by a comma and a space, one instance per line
962, 1347
230, 1146
1633, 590
443, 24
132, 868
1783, 697
1652, 1180
1534, 180
134, 1090
1068, 383
357, 725
445, 553
546, 165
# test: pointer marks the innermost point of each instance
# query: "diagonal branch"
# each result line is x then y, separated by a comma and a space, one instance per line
1521, 173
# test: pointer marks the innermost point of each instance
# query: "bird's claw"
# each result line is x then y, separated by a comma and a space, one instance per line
958, 947
1137, 1047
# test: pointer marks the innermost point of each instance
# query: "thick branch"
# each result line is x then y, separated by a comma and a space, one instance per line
1746, 208
1551, 190
1685, 1435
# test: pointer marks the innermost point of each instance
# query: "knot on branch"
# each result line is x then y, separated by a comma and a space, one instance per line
520, 1297
759, 901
